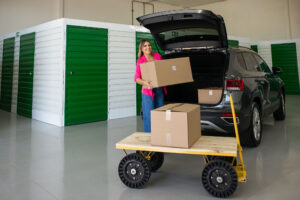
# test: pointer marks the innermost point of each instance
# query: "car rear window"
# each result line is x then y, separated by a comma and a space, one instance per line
189, 34
251, 62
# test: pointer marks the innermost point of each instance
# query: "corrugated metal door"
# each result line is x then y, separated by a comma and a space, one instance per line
25, 83
233, 43
285, 56
254, 48
140, 36
7, 73
1, 54
86, 75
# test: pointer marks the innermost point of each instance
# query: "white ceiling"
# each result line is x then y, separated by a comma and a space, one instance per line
187, 3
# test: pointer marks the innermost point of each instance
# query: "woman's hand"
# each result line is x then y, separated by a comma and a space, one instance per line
147, 84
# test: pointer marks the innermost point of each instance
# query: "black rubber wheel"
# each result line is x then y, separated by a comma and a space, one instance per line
156, 160
225, 158
134, 171
219, 178
279, 114
252, 136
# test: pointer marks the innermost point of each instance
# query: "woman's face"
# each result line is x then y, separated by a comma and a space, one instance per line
147, 48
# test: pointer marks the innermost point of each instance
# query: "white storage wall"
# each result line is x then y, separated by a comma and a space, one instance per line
264, 50
48, 80
14, 98
121, 69
245, 42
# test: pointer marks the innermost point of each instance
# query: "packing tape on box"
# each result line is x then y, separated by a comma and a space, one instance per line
168, 115
210, 92
168, 139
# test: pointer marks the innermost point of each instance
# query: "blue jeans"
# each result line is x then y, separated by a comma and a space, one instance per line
149, 104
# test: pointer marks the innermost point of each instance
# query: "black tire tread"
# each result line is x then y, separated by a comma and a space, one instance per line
147, 171
156, 162
247, 138
217, 164
279, 115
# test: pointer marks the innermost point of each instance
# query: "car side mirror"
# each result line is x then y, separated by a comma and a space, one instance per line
277, 70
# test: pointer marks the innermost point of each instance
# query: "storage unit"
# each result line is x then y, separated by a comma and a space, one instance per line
26, 73
254, 48
284, 54
86, 75
233, 43
7, 73
76, 71
63, 72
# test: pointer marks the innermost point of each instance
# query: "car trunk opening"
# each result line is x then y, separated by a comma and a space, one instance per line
186, 29
208, 68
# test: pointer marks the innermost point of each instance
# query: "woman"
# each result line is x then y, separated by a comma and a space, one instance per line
151, 97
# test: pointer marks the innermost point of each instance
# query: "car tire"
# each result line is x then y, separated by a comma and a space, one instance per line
279, 114
252, 136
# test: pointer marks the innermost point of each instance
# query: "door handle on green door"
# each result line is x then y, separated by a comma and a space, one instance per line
30, 73
71, 73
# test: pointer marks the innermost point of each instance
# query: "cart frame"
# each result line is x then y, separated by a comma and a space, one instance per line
148, 151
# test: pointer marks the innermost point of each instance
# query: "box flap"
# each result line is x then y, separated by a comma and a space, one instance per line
168, 107
185, 107
178, 107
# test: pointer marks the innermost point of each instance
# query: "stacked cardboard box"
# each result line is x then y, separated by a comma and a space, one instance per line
209, 95
167, 72
175, 125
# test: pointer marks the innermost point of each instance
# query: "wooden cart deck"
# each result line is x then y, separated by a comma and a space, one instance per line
206, 145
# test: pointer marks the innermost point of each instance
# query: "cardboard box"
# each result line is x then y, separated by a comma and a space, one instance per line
175, 125
167, 72
209, 95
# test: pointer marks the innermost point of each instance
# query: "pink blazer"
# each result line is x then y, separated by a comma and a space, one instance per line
138, 73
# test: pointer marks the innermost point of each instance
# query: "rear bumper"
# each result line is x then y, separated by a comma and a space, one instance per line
212, 121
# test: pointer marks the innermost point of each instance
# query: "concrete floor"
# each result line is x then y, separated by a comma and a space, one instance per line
43, 162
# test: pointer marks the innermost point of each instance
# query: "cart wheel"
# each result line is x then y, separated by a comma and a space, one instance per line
156, 160
225, 158
219, 178
134, 171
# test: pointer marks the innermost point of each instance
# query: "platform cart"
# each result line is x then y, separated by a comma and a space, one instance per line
224, 165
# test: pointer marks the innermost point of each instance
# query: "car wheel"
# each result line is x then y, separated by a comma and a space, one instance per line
252, 137
279, 114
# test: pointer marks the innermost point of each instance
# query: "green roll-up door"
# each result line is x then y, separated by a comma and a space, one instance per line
233, 43
86, 75
285, 56
25, 83
140, 36
7, 73
254, 48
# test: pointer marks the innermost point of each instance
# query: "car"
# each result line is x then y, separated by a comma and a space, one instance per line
256, 88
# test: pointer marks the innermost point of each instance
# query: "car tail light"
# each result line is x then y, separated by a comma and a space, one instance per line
227, 115
234, 84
